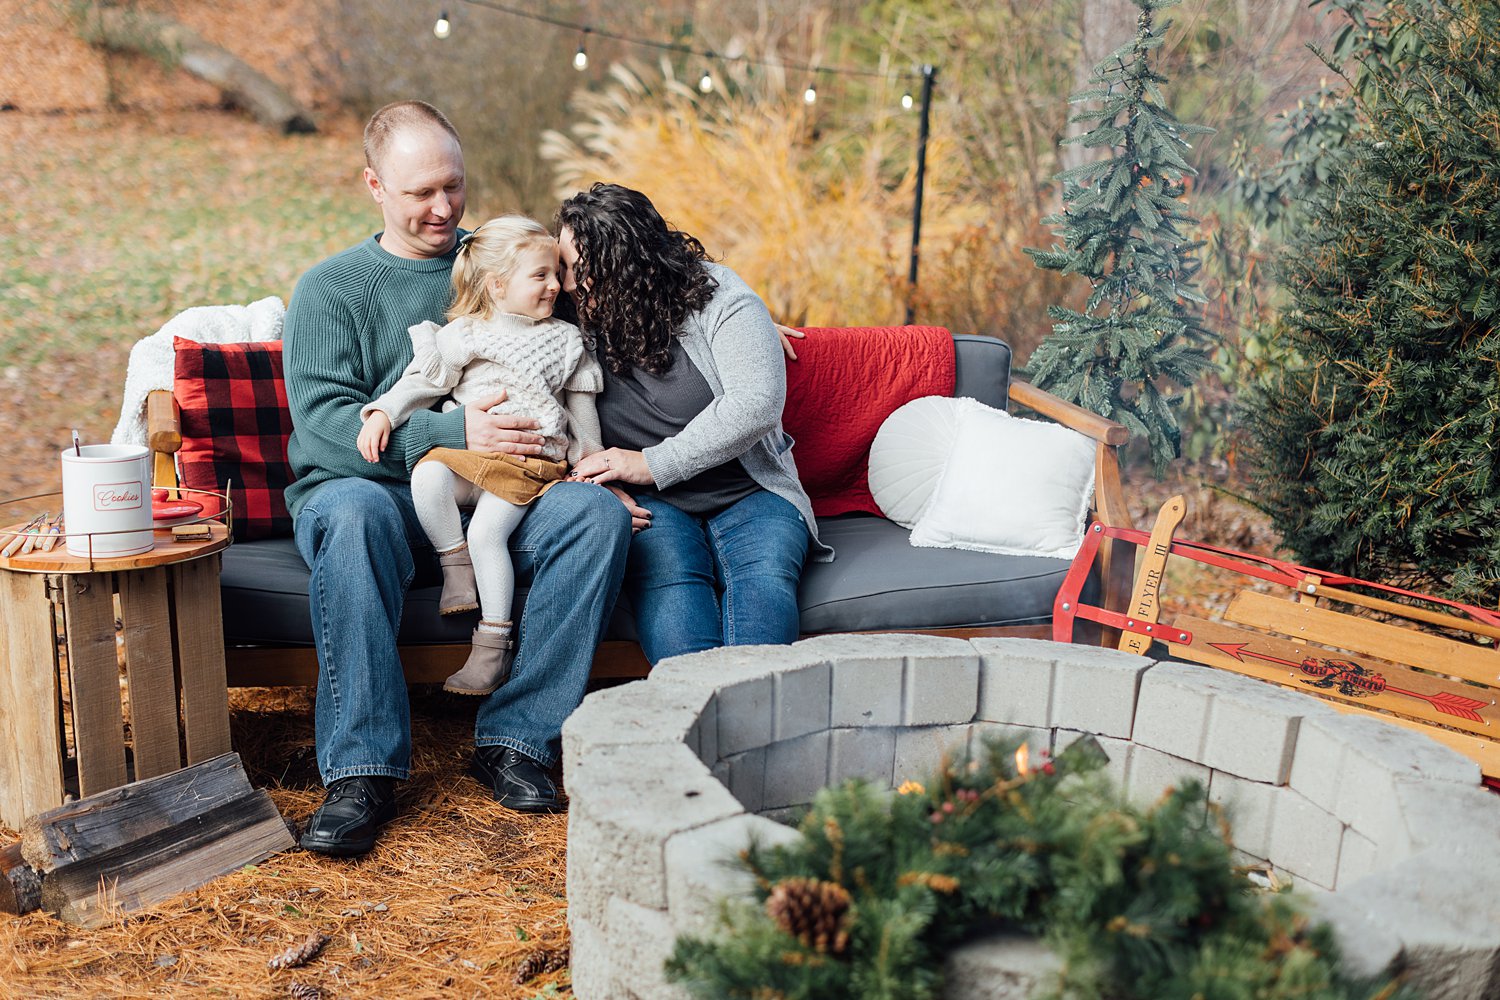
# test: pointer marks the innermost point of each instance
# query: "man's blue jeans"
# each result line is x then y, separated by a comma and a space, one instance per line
698, 583
362, 540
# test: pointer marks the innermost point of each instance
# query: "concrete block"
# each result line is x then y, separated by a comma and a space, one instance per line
869, 672
942, 684
921, 752
1172, 708
868, 753
1350, 765
1305, 839
714, 667
796, 770
708, 732
588, 962
1442, 906
1001, 967
1253, 726
747, 778
787, 816
1250, 807
1115, 770
745, 715
625, 802
1439, 814
1035, 682
704, 868
640, 942
802, 698
640, 712
1150, 773
1358, 856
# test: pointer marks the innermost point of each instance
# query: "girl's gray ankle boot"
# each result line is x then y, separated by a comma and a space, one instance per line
460, 592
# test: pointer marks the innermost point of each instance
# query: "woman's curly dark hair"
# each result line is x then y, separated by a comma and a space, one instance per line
638, 279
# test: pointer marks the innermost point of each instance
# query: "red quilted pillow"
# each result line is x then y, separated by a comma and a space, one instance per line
235, 425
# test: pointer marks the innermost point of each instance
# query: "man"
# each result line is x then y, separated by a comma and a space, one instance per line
346, 343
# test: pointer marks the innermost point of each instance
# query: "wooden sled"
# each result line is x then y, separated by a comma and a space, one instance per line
1411, 659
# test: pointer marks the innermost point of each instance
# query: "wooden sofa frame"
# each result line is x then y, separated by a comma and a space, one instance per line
270, 666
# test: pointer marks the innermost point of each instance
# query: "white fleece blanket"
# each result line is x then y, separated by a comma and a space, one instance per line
151, 360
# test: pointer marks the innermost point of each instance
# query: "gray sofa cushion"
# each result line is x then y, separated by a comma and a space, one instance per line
878, 581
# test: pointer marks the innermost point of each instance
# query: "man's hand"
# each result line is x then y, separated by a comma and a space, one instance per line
374, 436
611, 465
787, 335
640, 517
485, 431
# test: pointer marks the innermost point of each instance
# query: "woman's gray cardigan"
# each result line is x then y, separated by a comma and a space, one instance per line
734, 344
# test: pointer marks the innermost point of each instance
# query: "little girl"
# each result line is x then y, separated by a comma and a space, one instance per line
501, 335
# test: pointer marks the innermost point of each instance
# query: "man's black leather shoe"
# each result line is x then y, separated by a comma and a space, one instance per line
518, 781
351, 816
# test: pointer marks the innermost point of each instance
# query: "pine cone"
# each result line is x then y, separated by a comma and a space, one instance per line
300, 954
303, 991
539, 963
812, 911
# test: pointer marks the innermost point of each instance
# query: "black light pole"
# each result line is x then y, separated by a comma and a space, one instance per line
928, 72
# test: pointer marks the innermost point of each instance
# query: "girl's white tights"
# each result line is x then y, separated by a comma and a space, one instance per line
437, 491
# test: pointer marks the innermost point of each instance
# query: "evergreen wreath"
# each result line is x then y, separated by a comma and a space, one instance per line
1122, 227
1139, 904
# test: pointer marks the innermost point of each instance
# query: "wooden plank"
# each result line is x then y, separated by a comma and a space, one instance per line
100, 823
1341, 677
167, 550
94, 681
149, 671
1116, 556
1409, 611
160, 865
31, 757
20, 884
1070, 415
1389, 642
199, 631
1145, 596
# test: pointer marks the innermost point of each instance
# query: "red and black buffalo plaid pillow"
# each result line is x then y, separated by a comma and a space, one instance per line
235, 425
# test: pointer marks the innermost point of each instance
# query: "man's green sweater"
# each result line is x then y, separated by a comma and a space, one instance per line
346, 342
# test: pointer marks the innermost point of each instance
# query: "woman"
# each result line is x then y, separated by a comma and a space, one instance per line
694, 382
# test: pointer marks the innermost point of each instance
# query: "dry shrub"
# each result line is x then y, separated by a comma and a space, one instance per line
816, 220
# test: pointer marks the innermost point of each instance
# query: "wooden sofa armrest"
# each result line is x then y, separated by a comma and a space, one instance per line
1116, 558
163, 435
1085, 422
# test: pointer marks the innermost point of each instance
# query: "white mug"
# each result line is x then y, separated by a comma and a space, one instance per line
107, 500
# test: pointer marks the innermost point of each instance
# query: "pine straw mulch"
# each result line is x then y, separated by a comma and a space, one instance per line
458, 894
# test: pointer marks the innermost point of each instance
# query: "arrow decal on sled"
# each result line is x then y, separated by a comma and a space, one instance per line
1355, 681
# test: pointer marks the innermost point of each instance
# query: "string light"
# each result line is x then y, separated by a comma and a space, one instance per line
581, 57
810, 95
706, 84
906, 101
442, 28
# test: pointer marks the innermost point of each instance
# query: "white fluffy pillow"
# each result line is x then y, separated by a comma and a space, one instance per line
1008, 485
907, 455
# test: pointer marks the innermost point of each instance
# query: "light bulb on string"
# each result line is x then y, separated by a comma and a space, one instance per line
442, 28
810, 95
706, 84
581, 57
906, 101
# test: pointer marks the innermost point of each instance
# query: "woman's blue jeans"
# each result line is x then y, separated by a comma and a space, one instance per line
361, 539
698, 583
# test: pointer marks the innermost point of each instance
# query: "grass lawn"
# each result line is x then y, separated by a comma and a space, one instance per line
117, 223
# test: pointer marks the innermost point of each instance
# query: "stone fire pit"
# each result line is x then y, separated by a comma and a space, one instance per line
668, 777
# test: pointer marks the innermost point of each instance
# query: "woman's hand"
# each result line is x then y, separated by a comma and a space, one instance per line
787, 335
374, 436
613, 465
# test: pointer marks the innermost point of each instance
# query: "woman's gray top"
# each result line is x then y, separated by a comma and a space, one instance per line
733, 345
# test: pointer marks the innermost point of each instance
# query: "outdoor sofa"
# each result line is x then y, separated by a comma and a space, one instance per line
879, 582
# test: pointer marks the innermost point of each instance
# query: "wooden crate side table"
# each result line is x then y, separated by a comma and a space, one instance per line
174, 668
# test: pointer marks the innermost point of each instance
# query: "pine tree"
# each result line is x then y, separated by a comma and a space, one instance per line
1375, 451
1122, 227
